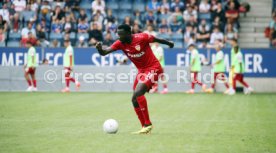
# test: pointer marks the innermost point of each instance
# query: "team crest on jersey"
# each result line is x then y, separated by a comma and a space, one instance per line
138, 47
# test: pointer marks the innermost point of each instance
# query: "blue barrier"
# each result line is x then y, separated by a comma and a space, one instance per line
258, 62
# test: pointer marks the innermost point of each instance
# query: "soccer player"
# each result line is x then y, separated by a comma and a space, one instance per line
68, 63
30, 67
158, 52
137, 49
219, 69
195, 67
238, 67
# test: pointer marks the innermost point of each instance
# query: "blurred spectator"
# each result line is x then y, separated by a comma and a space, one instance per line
112, 28
31, 13
2, 35
25, 31
204, 6
189, 12
163, 27
73, 4
68, 26
218, 12
44, 25
164, 13
82, 43
40, 33
236, 3
216, 35
83, 26
109, 17
3, 24
19, 5
34, 5
177, 3
82, 15
58, 14
98, 5
95, 34
137, 16
203, 36
136, 29
45, 8
175, 26
189, 36
55, 43
178, 14
192, 21
150, 18
99, 20
31, 38
4, 12
218, 23
194, 4
128, 21
150, 30
59, 3
108, 39
15, 23
153, 5
164, 5
232, 14
57, 26
73, 18
203, 25
230, 34
11, 10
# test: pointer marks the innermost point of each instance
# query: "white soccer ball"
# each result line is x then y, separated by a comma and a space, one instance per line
110, 126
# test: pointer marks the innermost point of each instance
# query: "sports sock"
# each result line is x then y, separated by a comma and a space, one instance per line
67, 80
34, 83
140, 115
29, 83
142, 101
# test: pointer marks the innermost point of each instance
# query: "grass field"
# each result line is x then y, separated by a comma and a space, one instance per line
200, 123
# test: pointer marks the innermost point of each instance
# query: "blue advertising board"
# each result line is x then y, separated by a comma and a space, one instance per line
258, 62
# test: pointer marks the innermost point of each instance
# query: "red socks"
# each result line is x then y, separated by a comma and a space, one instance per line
140, 115
29, 83
144, 109
67, 81
34, 83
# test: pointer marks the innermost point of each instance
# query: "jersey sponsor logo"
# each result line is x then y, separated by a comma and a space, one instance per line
136, 55
138, 47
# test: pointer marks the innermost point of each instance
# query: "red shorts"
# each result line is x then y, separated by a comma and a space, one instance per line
30, 70
148, 77
67, 71
219, 76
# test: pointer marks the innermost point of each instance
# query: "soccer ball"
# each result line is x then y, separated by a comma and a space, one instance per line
110, 126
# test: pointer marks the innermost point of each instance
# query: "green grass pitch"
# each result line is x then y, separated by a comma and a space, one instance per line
200, 123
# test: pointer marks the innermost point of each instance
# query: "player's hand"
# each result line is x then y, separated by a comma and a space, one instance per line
99, 46
171, 44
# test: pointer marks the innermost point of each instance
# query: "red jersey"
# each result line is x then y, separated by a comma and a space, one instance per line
139, 51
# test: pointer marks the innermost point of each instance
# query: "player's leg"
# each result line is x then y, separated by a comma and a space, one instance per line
203, 86
67, 80
248, 89
191, 91
27, 77
33, 79
211, 90
164, 83
136, 106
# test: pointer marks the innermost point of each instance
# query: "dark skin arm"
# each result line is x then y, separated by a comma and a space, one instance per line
104, 51
163, 41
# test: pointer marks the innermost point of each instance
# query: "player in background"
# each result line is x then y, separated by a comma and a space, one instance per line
219, 69
30, 67
137, 49
237, 66
195, 68
158, 52
68, 63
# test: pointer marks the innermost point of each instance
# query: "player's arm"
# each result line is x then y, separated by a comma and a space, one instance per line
71, 60
163, 41
103, 51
